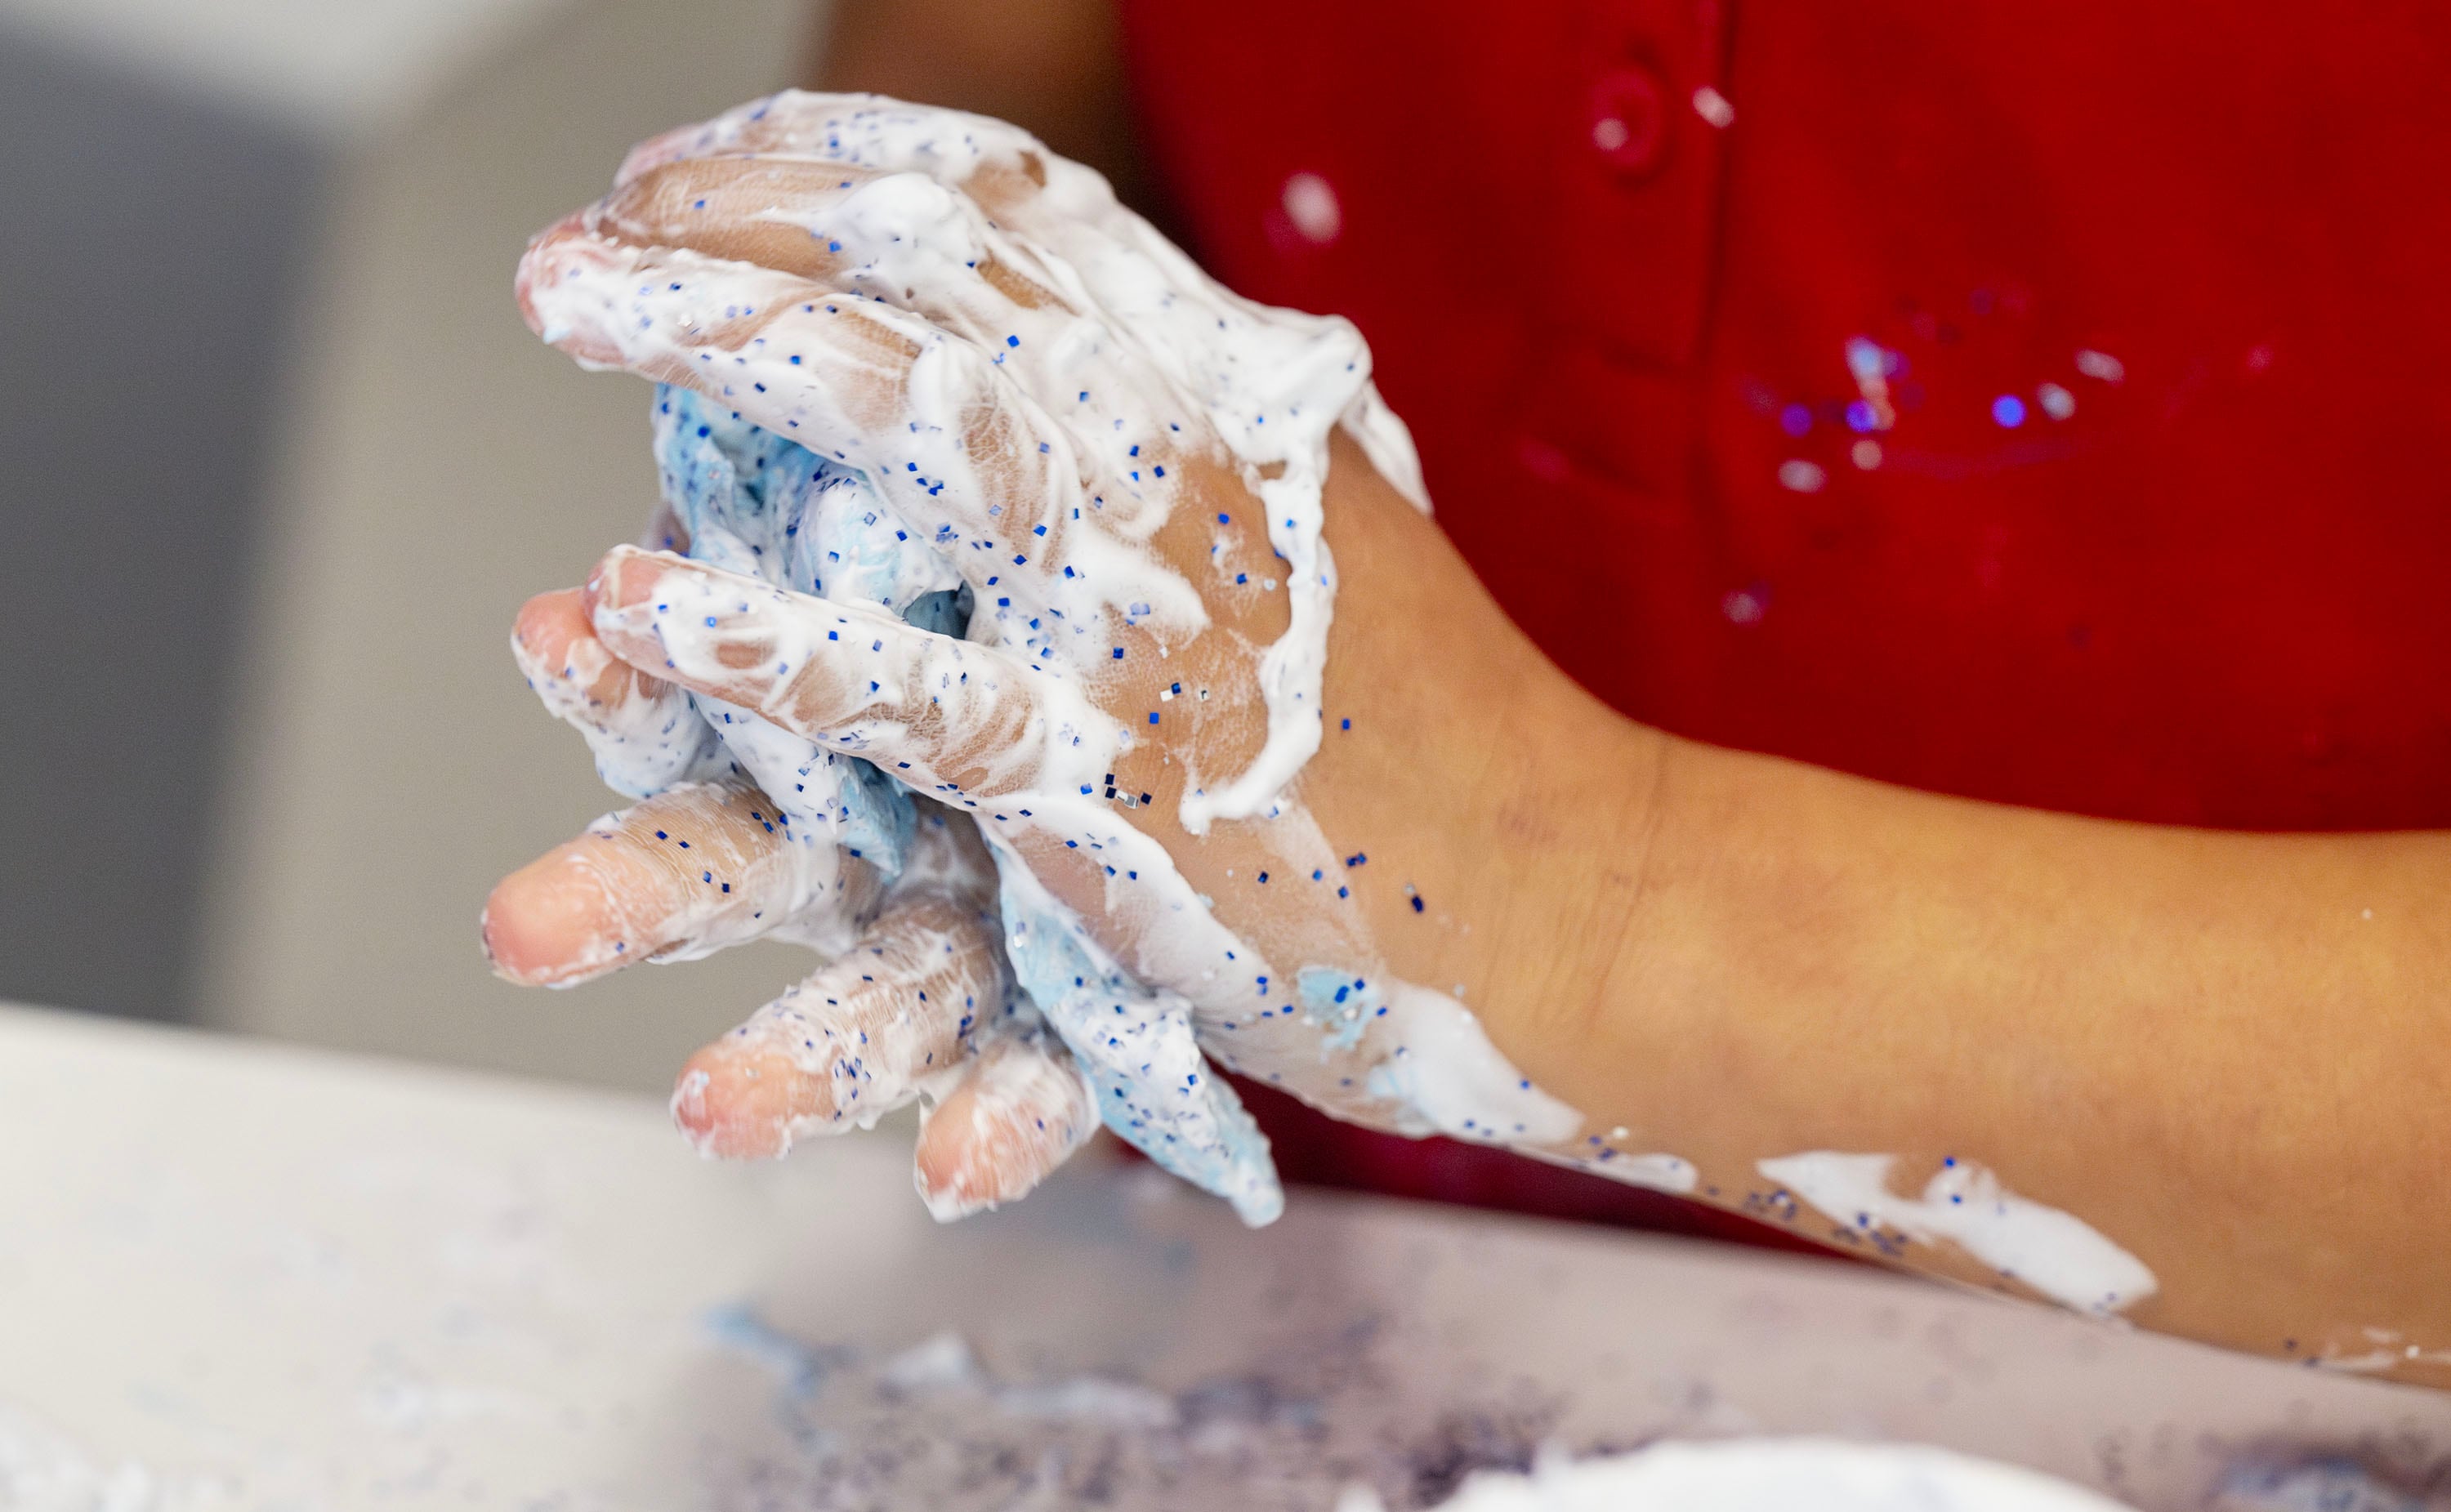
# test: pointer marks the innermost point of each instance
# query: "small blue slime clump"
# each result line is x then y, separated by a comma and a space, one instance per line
749, 502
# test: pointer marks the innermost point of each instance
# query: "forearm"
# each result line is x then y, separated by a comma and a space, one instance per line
2220, 1051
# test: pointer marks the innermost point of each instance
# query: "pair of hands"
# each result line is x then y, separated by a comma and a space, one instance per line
1774, 963
1002, 382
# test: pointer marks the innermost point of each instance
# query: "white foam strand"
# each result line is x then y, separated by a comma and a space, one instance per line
1964, 1204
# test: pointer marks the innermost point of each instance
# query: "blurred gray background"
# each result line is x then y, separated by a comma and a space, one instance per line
281, 464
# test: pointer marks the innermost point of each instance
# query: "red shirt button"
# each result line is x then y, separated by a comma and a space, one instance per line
1629, 120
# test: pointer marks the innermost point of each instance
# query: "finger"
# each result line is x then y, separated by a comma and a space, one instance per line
863, 130
847, 128
679, 875
1034, 201
741, 210
967, 221
582, 293
790, 123
644, 732
1010, 173
842, 227
856, 1041
1019, 1111
556, 647
962, 722
924, 414
1046, 200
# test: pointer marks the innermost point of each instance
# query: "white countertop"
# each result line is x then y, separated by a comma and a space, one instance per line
237, 1275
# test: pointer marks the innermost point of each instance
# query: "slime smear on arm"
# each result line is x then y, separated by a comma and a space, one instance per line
2053, 1252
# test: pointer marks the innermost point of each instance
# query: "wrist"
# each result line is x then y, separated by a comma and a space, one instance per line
1576, 833
1635, 1016
1510, 818
1730, 985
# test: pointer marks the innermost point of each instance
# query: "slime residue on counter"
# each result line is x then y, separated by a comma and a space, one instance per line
1768, 1475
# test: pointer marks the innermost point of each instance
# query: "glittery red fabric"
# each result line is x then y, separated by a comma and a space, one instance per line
2136, 496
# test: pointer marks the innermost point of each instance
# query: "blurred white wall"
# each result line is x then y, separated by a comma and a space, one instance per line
154, 239
341, 70
435, 465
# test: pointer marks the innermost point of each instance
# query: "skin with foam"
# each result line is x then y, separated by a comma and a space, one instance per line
2053, 1252
1015, 363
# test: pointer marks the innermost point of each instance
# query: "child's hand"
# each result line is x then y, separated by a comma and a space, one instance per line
1126, 464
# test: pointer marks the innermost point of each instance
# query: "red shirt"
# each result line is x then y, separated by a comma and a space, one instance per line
2049, 405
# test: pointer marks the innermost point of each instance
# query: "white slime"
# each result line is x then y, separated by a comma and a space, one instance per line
2053, 1252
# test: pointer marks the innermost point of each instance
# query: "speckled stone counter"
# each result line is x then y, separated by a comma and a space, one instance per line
239, 1275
